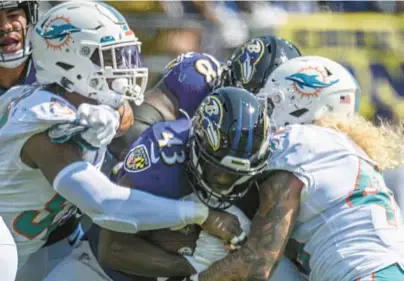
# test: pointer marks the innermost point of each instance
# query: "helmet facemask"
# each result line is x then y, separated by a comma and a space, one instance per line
215, 184
118, 73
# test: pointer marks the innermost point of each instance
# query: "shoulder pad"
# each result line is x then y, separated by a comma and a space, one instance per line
289, 148
155, 160
28, 104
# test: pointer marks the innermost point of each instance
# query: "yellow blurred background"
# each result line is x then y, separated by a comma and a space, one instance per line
365, 37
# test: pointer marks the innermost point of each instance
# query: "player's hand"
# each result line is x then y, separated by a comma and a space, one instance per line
225, 226
101, 121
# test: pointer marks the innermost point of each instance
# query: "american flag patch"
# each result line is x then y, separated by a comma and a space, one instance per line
345, 99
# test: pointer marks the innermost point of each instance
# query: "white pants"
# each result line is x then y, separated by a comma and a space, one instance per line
8, 254
80, 265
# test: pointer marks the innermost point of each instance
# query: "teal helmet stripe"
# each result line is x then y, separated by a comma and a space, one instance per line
118, 15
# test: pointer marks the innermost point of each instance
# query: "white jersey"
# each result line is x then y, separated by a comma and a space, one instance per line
348, 225
29, 205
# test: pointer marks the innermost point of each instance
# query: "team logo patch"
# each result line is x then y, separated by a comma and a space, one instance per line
137, 159
57, 32
310, 81
248, 58
212, 112
278, 138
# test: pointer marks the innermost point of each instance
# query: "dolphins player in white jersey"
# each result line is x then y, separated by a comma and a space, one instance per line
50, 162
324, 187
16, 17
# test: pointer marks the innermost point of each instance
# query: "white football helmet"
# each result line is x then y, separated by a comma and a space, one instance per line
14, 59
88, 48
303, 88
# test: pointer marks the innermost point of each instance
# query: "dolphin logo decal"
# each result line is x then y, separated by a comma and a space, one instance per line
311, 81
58, 31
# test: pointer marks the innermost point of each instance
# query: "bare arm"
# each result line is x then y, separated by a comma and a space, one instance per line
270, 231
39, 152
134, 255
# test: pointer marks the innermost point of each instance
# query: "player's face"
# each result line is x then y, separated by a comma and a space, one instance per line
127, 57
13, 30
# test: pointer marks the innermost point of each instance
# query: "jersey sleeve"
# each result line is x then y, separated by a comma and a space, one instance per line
155, 161
292, 151
191, 77
34, 110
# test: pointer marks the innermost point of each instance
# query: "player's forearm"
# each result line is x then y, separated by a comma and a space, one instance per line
135, 256
257, 259
270, 231
123, 209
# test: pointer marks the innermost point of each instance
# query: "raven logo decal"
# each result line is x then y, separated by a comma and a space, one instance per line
250, 56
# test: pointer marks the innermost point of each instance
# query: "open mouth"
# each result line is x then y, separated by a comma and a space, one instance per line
10, 45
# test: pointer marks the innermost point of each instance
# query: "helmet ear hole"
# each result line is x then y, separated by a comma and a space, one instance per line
300, 112
329, 73
64, 66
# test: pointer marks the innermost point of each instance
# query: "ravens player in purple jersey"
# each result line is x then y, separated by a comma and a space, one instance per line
187, 81
155, 164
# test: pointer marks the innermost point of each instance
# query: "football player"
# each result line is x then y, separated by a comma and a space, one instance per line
324, 188
187, 80
48, 166
16, 18
249, 70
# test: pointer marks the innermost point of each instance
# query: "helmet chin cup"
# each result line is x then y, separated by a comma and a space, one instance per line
13, 63
122, 87
110, 98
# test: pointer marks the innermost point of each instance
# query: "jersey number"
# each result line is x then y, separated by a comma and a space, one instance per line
205, 67
170, 140
30, 224
372, 190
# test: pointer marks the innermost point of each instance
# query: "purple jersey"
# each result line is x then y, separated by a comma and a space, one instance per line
155, 160
191, 77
